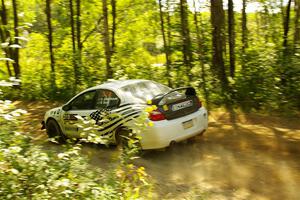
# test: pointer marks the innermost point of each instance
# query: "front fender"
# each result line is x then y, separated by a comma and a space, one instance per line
55, 114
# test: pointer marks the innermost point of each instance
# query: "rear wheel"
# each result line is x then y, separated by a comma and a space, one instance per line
54, 131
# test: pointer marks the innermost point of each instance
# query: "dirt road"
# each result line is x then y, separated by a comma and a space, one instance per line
239, 157
255, 159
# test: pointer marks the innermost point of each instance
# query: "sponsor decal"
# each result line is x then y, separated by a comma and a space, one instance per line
182, 105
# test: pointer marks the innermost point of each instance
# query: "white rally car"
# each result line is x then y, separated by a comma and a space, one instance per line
179, 114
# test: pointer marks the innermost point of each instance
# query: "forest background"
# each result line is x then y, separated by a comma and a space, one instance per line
244, 52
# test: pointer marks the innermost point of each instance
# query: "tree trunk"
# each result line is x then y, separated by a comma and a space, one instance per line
5, 35
169, 40
106, 41
297, 24
15, 51
284, 76
200, 53
166, 47
286, 25
50, 40
79, 43
4, 17
114, 25
75, 66
78, 36
2, 37
231, 37
217, 21
244, 27
72, 25
186, 41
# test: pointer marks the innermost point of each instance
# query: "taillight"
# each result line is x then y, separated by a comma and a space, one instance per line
156, 115
199, 102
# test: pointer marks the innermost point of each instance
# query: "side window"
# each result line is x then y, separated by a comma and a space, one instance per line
107, 99
84, 101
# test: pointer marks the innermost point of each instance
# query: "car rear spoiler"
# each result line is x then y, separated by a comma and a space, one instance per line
190, 91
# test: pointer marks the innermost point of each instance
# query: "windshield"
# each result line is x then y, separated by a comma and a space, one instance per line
143, 91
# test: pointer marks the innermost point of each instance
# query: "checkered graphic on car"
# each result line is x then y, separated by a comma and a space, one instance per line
110, 119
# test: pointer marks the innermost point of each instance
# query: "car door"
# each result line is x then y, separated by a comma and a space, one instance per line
83, 105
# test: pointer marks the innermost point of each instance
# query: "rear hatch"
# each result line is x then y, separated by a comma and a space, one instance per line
177, 103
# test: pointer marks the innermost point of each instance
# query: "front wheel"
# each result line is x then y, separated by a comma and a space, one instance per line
54, 131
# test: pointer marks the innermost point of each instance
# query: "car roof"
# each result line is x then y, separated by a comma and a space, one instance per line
113, 85
117, 84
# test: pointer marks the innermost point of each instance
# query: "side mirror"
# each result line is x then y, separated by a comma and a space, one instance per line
66, 107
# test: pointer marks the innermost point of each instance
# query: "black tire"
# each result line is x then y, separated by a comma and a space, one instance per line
54, 131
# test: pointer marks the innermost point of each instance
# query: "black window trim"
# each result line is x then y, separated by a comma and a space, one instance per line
94, 99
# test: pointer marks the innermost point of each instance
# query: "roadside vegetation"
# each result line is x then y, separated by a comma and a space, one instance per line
29, 171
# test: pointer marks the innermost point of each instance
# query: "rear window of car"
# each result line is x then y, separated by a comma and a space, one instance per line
143, 91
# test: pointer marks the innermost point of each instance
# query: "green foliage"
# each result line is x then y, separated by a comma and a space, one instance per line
257, 83
28, 171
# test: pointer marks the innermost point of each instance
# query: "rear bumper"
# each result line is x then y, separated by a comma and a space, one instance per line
162, 133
